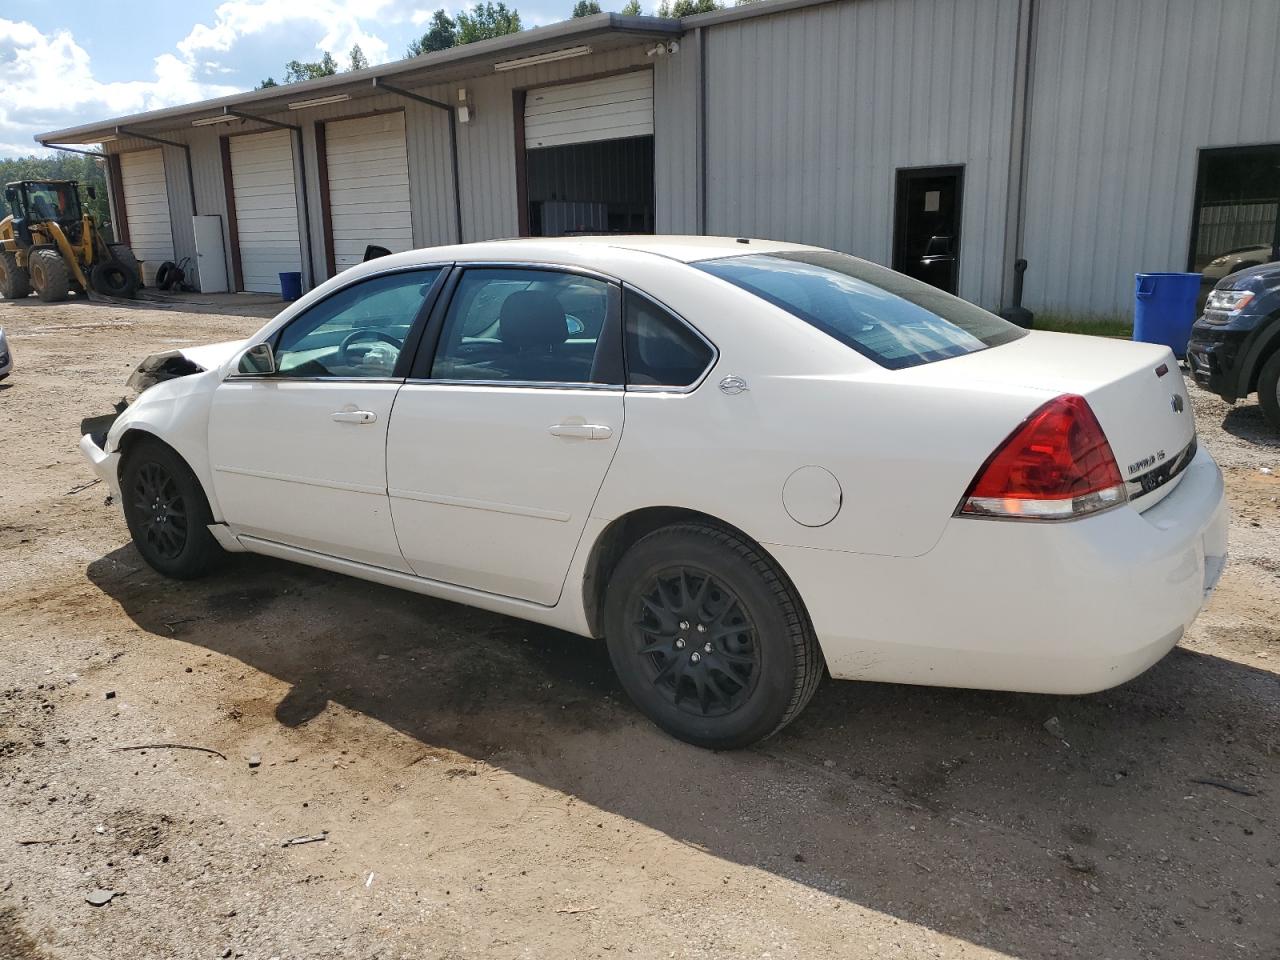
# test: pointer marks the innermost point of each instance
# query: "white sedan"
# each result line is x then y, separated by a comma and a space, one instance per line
737, 461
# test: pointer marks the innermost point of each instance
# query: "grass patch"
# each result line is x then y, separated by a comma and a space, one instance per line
1094, 324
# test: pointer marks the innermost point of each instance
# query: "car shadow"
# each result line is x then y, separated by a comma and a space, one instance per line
1246, 422
1038, 826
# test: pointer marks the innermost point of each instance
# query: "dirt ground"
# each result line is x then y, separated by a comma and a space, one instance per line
483, 789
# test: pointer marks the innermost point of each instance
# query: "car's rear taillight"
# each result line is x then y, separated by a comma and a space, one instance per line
1057, 465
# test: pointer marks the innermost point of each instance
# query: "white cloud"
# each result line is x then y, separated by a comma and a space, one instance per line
341, 23
46, 82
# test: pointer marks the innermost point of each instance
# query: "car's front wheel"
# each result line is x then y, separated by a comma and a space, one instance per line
167, 512
708, 636
1269, 390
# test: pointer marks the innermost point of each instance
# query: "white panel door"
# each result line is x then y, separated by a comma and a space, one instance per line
368, 186
146, 209
266, 208
608, 109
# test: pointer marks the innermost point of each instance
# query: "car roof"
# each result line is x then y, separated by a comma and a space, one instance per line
687, 249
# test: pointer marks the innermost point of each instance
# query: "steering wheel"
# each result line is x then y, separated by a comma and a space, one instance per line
364, 333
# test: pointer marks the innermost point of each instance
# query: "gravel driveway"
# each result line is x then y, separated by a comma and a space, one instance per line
474, 786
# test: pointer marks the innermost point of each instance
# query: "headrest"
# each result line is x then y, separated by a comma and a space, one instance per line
532, 318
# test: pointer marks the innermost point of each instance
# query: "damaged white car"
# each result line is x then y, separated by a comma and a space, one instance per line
739, 462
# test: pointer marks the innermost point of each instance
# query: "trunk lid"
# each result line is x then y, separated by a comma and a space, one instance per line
1145, 413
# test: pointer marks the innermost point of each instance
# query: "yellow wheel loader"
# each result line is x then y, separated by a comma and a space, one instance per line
50, 243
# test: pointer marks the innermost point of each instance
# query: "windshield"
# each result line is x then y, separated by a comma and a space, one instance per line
52, 201
895, 320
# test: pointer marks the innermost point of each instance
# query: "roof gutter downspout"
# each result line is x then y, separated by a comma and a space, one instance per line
302, 166
380, 84
186, 149
1019, 149
700, 40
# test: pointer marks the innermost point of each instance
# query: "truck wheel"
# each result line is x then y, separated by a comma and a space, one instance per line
14, 282
111, 278
49, 275
1269, 390
709, 638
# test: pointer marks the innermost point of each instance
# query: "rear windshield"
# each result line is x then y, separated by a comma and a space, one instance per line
893, 319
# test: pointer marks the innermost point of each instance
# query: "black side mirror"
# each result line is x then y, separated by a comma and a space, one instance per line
93, 193
11, 194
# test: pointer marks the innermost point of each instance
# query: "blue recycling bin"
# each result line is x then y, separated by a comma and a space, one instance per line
1164, 308
290, 285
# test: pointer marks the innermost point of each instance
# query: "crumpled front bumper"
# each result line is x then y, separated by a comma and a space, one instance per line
106, 466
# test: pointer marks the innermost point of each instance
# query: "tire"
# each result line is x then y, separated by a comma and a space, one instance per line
1269, 390
14, 282
167, 512
709, 638
124, 253
111, 278
49, 275
164, 275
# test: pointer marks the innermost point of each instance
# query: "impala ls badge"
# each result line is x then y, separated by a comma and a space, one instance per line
733, 385
1176, 402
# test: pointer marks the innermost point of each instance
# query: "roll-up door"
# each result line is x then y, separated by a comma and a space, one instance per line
368, 186
266, 208
608, 109
146, 209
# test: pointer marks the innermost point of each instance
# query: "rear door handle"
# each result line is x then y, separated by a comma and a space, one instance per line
353, 416
581, 431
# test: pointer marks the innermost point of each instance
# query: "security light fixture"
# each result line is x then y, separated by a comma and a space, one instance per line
319, 101
210, 121
549, 57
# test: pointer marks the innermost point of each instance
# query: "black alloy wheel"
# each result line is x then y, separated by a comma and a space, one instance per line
697, 641
160, 510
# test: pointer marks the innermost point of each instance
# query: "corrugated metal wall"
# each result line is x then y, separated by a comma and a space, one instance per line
677, 189
1124, 94
810, 113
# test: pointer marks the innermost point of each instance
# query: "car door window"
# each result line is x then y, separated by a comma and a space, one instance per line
358, 331
525, 326
661, 349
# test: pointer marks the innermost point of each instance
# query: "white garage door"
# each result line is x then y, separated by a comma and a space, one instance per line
607, 109
368, 186
146, 209
266, 208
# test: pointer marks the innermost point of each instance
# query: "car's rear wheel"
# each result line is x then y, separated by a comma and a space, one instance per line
1269, 390
708, 636
167, 512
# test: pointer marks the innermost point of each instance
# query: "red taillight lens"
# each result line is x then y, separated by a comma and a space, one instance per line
1055, 466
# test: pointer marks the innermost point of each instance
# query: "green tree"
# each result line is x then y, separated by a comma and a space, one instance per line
687, 8
585, 8
358, 60
269, 82
487, 20
442, 33
632, 9
297, 70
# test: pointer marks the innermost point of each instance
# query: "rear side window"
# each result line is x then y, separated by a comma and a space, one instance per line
892, 319
661, 350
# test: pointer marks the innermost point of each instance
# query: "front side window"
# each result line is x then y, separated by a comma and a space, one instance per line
660, 349
357, 332
886, 316
530, 326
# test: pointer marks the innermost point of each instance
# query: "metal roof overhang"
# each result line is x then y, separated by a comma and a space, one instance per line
605, 31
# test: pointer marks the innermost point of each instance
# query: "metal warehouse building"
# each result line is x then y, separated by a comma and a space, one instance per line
947, 138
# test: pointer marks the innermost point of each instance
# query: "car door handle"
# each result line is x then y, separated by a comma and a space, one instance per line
581, 431
353, 416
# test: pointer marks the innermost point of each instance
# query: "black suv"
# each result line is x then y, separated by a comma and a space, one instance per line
1235, 345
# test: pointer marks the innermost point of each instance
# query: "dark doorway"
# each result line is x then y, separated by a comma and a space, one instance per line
1235, 224
600, 187
926, 227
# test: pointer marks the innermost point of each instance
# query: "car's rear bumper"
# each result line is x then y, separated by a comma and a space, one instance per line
1069, 607
106, 466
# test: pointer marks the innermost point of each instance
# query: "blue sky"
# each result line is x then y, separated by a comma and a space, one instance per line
67, 63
